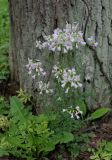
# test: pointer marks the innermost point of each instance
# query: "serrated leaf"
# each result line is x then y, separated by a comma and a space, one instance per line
3, 152
15, 141
17, 109
99, 113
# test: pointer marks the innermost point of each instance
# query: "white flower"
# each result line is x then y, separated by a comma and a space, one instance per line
72, 116
77, 116
63, 85
67, 90
91, 38
51, 90
78, 112
77, 108
65, 50
77, 46
80, 33
30, 72
59, 99
83, 43
95, 44
92, 41
38, 44
64, 110
44, 88
59, 48
79, 84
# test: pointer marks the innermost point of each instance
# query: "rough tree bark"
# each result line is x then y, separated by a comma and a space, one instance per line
30, 19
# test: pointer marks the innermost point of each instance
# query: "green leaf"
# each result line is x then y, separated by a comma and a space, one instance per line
17, 109
48, 147
99, 113
3, 77
15, 141
3, 152
109, 146
66, 137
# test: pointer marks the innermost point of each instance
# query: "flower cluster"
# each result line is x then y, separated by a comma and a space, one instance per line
35, 67
44, 88
67, 77
70, 76
63, 40
74, 113
91, 40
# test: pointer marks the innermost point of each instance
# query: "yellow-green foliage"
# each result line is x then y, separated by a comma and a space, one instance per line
4, 39
4, 123
29, 136
23, 96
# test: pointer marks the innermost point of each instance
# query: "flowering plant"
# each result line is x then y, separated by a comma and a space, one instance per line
67, 83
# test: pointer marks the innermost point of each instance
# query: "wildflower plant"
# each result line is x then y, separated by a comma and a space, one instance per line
67, 84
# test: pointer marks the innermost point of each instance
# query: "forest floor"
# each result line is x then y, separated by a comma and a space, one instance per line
102, 130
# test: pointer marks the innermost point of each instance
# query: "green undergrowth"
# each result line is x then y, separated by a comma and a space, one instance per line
103, 151
4, 40
28, 136
38, 137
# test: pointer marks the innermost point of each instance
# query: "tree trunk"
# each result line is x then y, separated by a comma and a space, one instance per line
31, 19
